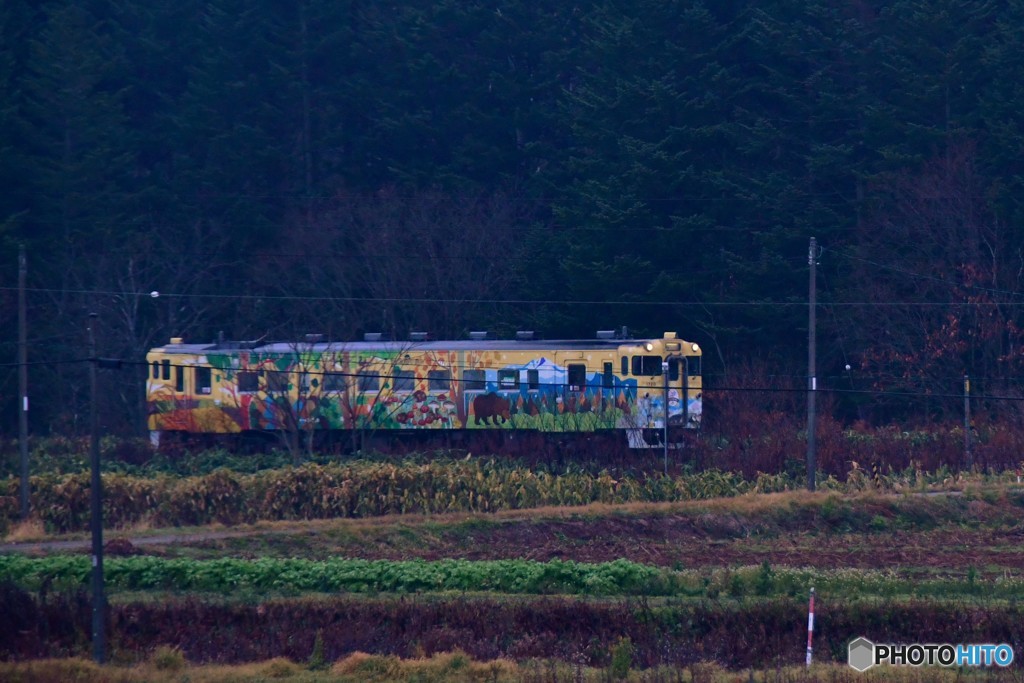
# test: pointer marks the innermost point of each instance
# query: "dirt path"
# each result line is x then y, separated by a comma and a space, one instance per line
656, 539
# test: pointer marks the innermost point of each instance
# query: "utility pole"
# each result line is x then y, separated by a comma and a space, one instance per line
967, 422
664, 437
96, 504
812, 380
23, 381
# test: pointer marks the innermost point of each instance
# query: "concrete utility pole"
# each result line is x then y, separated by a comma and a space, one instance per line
812, 380
23, 381
96, 504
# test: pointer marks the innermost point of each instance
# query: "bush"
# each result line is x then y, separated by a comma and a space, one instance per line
622, 658
166, 658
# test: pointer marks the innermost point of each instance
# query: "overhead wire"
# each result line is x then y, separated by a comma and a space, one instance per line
464, 300
356, 376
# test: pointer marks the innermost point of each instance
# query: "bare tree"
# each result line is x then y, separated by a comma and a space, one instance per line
143, 288
940, 275
394, 263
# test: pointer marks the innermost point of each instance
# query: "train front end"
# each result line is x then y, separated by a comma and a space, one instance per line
667, 373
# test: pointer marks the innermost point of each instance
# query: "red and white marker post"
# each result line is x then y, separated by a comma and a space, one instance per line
810, 628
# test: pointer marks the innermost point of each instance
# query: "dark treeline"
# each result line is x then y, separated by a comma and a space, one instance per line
277, 168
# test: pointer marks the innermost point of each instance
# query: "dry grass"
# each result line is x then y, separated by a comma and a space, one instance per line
26, 531
748, 505
140, 526
457, 667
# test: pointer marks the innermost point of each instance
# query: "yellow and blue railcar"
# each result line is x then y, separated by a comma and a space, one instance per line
551, 386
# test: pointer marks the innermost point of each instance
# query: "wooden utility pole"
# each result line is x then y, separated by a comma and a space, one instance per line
812, 380
96, 503
664, 436
968, 456
23, 381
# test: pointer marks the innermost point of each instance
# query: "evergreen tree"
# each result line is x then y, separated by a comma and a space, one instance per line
74, 135
1001, 98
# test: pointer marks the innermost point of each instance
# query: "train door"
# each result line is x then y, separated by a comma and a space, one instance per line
692, 388
676, 394
575, 397
181, 385
474, 386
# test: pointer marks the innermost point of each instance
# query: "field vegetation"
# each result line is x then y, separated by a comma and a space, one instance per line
455, 567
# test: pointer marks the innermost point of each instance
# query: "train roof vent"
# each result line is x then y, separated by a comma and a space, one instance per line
478, 335
314, 338
606, 334
373, 336
524, 335
418, 336
177, 340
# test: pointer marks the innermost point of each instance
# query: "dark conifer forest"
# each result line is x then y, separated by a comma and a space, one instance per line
274, 168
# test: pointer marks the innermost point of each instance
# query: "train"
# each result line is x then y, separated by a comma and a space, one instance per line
330, 391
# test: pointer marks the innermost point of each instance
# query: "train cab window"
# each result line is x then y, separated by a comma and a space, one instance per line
166, 369
334, 382
625, 365
608, 378
533, 380
474, 380
277, 382
204, 380
673, 369
248, 381
405, 380
439, 380
155, 374
647, 366
508, 379
577, 377
179, 379
693, 366
369, 381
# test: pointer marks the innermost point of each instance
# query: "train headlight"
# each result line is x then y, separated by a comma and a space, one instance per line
695, 347
649, 346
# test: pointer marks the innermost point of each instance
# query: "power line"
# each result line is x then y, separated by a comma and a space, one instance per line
878, 393
932, 278
527, 302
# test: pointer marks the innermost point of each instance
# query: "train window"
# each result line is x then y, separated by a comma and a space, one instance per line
334, 382
647, 366
248, 381
405, 380
439, 380
167, 369
307, 381
577, 377
179, 379
474, 380
608, 380
673, 369
508, 379
369, 381
156, 370
625, 365
533, 380
277, 382
204, 380
693, 366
